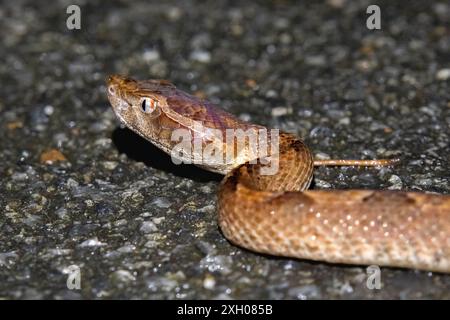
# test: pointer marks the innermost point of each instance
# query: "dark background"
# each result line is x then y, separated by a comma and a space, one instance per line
140, 227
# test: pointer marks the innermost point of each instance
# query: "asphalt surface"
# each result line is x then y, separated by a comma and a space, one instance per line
78, 190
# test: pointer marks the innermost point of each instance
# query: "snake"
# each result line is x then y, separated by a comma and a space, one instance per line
275, 212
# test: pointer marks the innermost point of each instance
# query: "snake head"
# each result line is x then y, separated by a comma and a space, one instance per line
137, 101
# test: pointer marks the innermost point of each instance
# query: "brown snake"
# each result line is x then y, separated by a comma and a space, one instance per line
275, 214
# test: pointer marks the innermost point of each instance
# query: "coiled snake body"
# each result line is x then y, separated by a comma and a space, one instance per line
276, 214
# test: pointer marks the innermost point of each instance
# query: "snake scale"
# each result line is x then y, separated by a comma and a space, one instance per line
276, 214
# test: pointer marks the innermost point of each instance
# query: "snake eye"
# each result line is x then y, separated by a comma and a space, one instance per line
148, 105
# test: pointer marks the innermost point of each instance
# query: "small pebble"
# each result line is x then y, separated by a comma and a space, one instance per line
93, 242
148, 227
52, 156
396, 182
280, 111
209, 282
322, 184
201, 56
110, 165
150, 55
123, 276
126, 249
443, 74
322, 156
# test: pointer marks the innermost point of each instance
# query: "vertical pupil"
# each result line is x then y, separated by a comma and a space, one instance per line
144, 105
148, 105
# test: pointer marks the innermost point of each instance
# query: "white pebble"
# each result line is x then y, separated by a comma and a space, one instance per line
322, 184
209, 282
201, 56
396, 182
322, 156
93, 242
150, 55
443, 74
48, 110
280, 111
148, 227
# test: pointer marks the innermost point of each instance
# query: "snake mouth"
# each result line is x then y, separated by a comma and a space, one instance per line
122, 122
118, 104
115, 93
